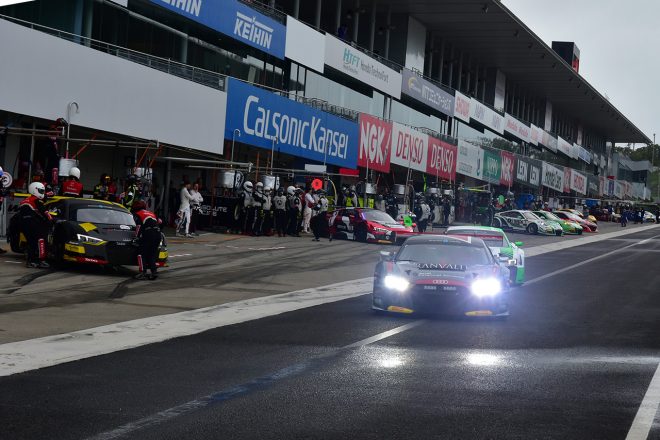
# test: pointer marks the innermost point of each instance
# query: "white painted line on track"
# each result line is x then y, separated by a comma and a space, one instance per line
180, 255
385, 334
13, 262
18, 357
641, 426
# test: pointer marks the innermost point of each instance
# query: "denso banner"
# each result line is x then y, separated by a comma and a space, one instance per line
233, 18
516, 128
426, 92
470, 160
441, 161
578, 182
553, 177
361, 66
409, 147
462, 108
264, 117
508, 164
492, 166
486, 116
375, 142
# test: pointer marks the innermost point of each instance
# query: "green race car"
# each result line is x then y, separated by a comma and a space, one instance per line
507, 252
567, 226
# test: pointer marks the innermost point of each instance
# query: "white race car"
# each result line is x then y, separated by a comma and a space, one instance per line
525, 221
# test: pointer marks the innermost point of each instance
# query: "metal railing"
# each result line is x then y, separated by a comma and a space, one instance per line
274, 13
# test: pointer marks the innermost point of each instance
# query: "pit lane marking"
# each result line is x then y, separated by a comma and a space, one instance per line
641, 426
180, 255
275, 248
243, 389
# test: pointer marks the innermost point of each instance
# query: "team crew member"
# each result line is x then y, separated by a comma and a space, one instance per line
102, 189
294, 208
132, 193
72, 186
184, 211
148, 238
279, 202
2, 198
196, 208
35, 221
308, 206
319, 215
258, 199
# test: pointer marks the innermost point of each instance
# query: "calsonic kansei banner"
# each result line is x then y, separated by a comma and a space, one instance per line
235, 19
409, 147
470, 160
508, 164
375, 143
553, 177
441, 160
268, 121
578, 182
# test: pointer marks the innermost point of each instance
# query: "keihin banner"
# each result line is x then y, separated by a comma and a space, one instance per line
409, 147
486, 116
441, 160
462, 108
426, 92
266, 120
553, 177
235, 19
578, 182
360, 66
375, 143
470, 160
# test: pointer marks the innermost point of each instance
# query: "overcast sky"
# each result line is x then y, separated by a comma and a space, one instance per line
619, 44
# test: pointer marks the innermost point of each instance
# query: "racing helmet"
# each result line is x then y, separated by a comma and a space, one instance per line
260, 186
280, 191
138, 206
247, 186
131, 179
38, 190
291, 190
74, 172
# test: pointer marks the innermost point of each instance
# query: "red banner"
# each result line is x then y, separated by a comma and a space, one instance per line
508, 164
441, 161
375, 143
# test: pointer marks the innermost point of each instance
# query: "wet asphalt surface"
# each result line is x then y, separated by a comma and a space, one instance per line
573, 361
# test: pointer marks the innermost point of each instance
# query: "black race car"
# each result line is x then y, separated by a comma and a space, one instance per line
441, 275
87, 231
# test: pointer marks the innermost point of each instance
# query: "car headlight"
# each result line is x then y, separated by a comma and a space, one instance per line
486, 287
395, 282
87, 239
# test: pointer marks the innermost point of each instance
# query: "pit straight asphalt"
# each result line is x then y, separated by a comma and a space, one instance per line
574, 360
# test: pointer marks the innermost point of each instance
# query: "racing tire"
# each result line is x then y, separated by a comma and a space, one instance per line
360, 234
579, 232
532, 229
497, 223
13, 244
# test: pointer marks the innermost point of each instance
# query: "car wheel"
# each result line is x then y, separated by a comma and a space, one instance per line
360, 234
579, 232
497, 223
533, 229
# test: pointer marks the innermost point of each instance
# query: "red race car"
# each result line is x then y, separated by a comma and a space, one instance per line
368, 225
587, 226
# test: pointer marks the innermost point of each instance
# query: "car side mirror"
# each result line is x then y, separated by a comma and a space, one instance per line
386, 256
519, 243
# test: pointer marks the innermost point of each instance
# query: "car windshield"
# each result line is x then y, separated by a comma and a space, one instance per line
491, 238
530, 215
103, 215
548, 216
445, 253
377, 216
572, 216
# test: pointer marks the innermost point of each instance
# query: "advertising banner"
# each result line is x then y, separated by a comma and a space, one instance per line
610, 187
492, 166
267, 120
508, 164
578, 182
409, 147
563, 146
522, 170
360, 66
426, 92
618, 189
535, 170
567, 180
304, 45
517, 128
486, 116
575, 151
235, 19
462, 108
593, 186
375, 142
602, 186
553, 177
470, 160
441, 160
535, 135
549, 141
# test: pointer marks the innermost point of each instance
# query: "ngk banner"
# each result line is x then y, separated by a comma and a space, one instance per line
409, 147
567, 180
492, 166
553, 177
508, 162
375, 142
470, 160
578, 182
441, 160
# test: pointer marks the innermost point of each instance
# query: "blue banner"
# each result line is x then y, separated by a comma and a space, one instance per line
300, 130
235, 19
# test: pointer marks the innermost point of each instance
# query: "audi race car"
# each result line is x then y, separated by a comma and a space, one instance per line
524, 221
87, 231
441, 274
569, 227
587, 226
508, 253
368, 225
589, 217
